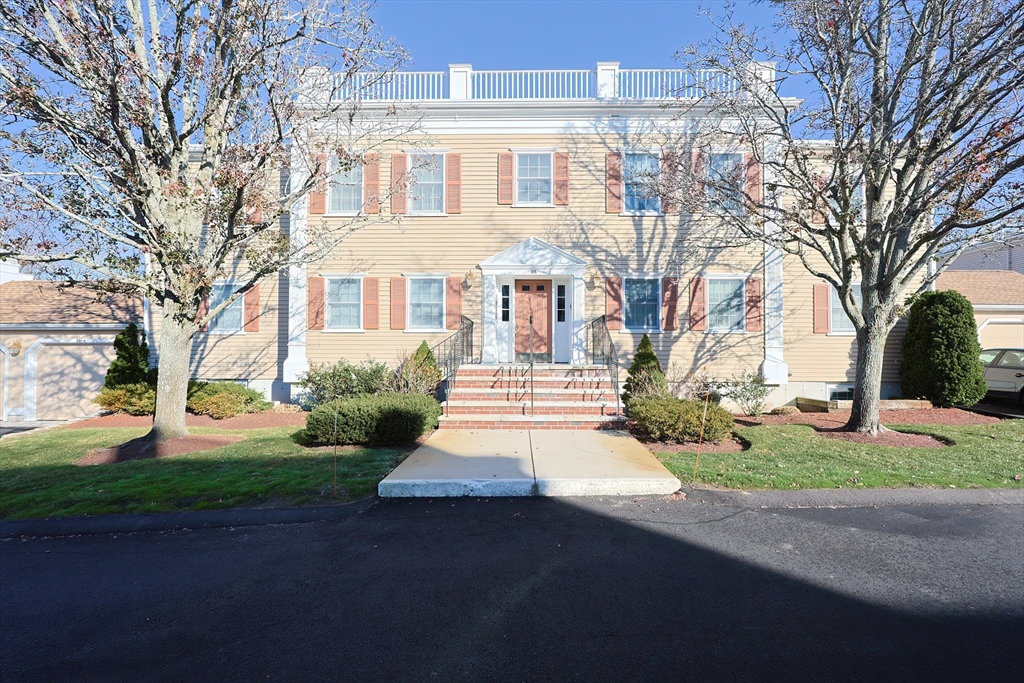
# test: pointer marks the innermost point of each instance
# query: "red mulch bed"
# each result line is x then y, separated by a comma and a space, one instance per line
727, 446
248, 421
930, 416
141, 449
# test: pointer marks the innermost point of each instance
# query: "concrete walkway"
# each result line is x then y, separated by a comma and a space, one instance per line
528, 463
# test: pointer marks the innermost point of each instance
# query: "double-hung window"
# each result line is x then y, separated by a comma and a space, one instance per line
345, 191
640, 174
343, 303
840, 322
229, 320
641, 299
426, 303
726, 176
427, 191
726, 304
533, 178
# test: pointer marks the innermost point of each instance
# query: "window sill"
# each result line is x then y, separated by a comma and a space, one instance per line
343, 214
841, 334
419, 214
633, 214
641, 330
725, 332
341, 331
524, 205
427, 330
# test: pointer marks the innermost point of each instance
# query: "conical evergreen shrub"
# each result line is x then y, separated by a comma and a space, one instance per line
646, 379
131, 365
940, 351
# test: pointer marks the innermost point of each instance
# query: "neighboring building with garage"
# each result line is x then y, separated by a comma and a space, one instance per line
55, 347
998, 300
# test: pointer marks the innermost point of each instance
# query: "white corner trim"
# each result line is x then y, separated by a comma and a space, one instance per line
31, 370
6, 385
990, 321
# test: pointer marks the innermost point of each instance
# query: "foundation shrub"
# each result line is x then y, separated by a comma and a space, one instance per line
325, 382
220, 400
373, 419
748, 391
131, 363
674, 419
645, 378
416, 374
133, 399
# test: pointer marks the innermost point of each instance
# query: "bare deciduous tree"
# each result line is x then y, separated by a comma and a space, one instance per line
908, 152
178, 133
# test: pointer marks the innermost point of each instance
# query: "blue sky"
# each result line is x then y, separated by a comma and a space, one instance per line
550, 34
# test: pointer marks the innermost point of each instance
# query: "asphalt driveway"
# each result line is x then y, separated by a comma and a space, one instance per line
534, 589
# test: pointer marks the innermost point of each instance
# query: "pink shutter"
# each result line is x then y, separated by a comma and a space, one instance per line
398, 303
670, 304
505, 164
204, 308
561, 185
453, 182
668, 183
318, 195
371, 183
755, 305
315, 303
613, 302
399, 166
698, 305
821, 306
371, 303
453, 314
252, 309
613, 182
753, 177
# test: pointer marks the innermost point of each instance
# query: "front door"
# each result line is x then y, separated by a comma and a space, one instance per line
533, 321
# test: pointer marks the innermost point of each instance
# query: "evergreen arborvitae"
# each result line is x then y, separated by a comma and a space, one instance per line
645, 374
131, 366
940, 351
424, 356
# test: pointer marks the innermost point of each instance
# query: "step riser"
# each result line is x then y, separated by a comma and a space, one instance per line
521, 396
576, 374
577, 384
531, 425
507, 409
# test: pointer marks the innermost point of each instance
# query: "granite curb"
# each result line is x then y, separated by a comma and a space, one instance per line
176, 521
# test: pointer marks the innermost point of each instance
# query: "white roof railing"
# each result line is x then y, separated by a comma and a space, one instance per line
461, 82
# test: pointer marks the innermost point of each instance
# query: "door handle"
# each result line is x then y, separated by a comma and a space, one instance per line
1019, 374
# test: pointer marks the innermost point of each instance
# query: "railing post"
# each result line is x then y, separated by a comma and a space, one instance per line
607, 80
460, 81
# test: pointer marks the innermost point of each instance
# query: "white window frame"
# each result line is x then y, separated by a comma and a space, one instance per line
443, 153
743, 176
833, 301
841, 386
742, 277
343, 276
642, 276
443, 277
646, 212
330, 187
550, 152
239, 303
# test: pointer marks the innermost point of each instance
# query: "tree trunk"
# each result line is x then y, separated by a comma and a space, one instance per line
172, 384
868, 388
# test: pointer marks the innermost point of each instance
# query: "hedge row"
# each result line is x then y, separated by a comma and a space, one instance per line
373, 419
675, 419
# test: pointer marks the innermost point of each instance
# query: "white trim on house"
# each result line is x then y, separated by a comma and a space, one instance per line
708, 277
774, 368
6, 383
657, 153
296, 361
105, 327
535, 259
327, 194
408, 302
550, 152
240, 302
443, 153
343, 276
998, 321
642, 276
31, 372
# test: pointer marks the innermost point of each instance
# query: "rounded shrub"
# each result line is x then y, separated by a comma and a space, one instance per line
133, 399
940, 351
220, 400
373, 419
675, 419
645, 378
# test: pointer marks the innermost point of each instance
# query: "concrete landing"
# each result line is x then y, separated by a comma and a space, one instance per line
528, 463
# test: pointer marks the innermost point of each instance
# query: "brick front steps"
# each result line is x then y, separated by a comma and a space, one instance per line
563, 397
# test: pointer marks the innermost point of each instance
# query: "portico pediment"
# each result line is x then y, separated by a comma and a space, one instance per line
533, 255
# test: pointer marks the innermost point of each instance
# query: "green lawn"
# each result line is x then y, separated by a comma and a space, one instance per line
38, 477
796, 457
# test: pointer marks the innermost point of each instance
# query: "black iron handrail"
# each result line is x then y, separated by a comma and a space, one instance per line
453, 352
600, 350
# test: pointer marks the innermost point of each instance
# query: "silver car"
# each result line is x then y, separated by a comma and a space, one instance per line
1004, 372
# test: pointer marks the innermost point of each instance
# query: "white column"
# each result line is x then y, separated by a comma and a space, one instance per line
607, 79
579, 319
296, 363
774, 370
460, 81
489, 352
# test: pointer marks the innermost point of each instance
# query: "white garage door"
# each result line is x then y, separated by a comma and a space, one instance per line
1002, 336
68, 378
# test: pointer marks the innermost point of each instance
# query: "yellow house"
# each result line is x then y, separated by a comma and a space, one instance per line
524, 234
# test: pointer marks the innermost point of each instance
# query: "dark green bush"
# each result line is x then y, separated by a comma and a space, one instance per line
373, 419
131, 364
134, 399
940, 351
325, 382
417, 374
675, 419
645, 379
223, 399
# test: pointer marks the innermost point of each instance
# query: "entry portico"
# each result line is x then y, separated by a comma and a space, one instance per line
533, 262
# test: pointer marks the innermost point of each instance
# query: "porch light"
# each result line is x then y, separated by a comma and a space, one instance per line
15, 347
468, 279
